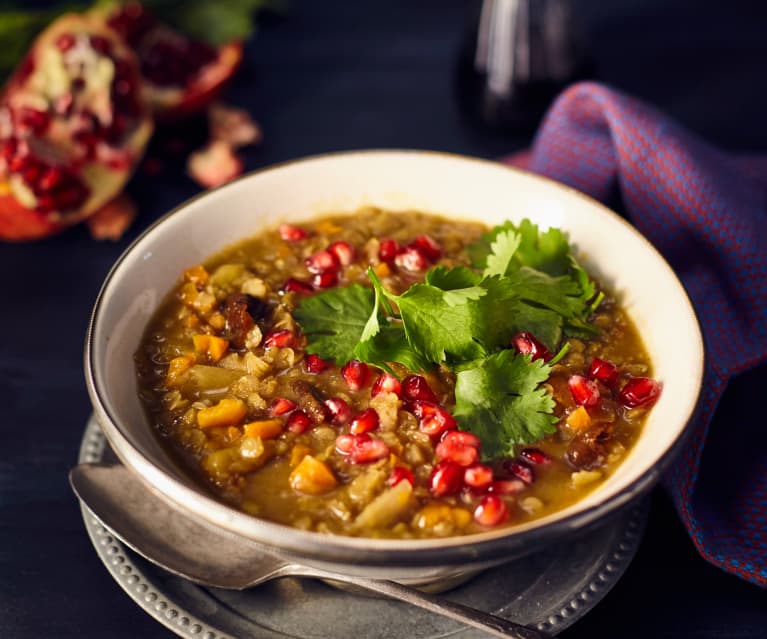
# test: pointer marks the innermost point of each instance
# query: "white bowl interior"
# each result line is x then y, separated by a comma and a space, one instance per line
447, 185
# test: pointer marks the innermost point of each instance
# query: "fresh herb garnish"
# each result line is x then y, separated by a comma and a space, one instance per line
464, 319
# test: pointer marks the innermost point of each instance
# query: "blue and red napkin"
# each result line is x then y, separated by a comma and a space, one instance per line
706, 212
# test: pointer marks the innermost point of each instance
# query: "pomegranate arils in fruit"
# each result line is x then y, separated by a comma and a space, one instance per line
355, 374
322, 261
344, 252
478, 476
459, 449
386, 383
603, 371
388, 250
298, 422
519, 470
411, 258
491, 511
324, 280
365, 422
398, 474
281, 406
291, 233
584, 391
339, 410
446, 479
361, 448
428, 246
416, 387
535, 456
527, 344
639, 391
314, 364
292, 285
65, 42
279, 339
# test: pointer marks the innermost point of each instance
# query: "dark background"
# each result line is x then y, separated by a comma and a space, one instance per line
338, 75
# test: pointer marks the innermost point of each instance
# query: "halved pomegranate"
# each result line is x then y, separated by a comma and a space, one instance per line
181, 76
72, 128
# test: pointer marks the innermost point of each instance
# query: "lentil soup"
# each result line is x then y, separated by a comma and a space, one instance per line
316, 376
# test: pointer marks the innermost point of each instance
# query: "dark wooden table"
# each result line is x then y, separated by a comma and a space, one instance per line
339, 75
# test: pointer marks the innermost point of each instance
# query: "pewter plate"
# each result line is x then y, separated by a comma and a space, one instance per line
550, 589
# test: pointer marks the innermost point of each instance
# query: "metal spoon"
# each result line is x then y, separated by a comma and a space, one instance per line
211, 556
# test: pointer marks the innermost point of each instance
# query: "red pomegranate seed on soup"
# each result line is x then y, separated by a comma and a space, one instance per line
603, 371
411, 258
535, 456
416, 387
436, 420
519, 470
640, 391
428, 247
279, 339
321, 261
388, 250
584, 391
399, 473
478, 476
507, 486
446, 479
457, 450
298, 422
345, 444
355, 374
324, 280
386, 383
365, 422
491, 511
314, 364
527, 344
292, 285
340, 411
344, 252
281, 406
291, 233
361, 448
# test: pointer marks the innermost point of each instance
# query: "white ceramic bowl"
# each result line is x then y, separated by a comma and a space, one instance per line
445, 184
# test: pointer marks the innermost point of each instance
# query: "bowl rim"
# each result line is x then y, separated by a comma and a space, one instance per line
375, 551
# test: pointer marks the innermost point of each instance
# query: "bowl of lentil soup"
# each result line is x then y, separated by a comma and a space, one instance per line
399, 364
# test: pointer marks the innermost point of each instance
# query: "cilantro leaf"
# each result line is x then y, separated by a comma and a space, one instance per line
500, 400
502, 250
334, 321
390, 345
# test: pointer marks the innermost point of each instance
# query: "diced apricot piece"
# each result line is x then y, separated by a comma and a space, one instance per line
579, 420
382, 269
265, 428
228, 412
312, 477
298, 453
211, 345
177, 367
197, 275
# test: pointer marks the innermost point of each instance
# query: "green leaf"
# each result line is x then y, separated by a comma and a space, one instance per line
390, 345
449, 279
500, 399
502, 251
334, 321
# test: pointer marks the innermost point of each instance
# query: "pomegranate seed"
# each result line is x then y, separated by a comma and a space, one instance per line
428, 247
344, 252
416, 387
491, 511
535, 456
324, 280
298, 422
339, 410
411, 258
446, 479
65, 42
386, 383
293, 285
506, 486
526, 344
63, 104
361, 448
365, 422
398, 473
520, 470
279, 339
604, 371
458, 449
345, 444
315, 364
355, 374
478, 476
281, 406
33, 119
433, 420
321, 261
584, 391
101, 44
640, 391
388, 250
291, 233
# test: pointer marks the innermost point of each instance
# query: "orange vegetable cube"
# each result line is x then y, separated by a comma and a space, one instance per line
214, 347
196, 275
312, 477
177, 367
265, 429
298, 453
382, 269
228, 412
579, 420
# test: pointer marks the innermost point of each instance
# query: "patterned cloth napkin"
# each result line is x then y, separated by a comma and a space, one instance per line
706, 212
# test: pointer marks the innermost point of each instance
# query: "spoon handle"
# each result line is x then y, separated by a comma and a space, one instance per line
489, 623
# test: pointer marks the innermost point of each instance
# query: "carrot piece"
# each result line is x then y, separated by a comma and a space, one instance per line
197, 275
298, 453
382, 269
228, 412
312, 477
177, 367
579, 420
265, 429
214, 347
